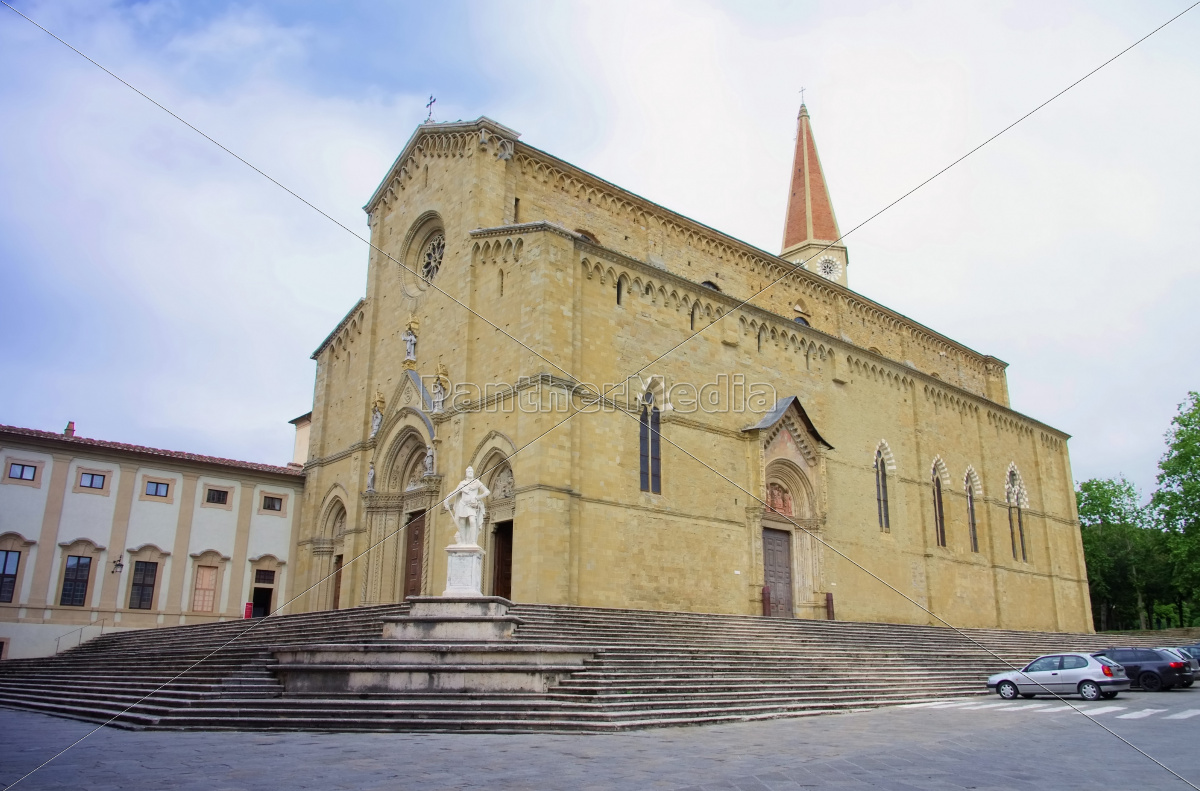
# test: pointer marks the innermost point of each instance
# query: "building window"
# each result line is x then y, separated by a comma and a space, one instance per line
710, 284
801, 320
264, 577
939, 512
1016, 520
156, 489
620, 290
431, 257
10, 561
141, 591
881, 492
272, 503
971, 525
75, 581
90, 480
22, 472
217, 497
204, 597
650, 441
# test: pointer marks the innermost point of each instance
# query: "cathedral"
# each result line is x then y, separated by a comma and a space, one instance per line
664, 417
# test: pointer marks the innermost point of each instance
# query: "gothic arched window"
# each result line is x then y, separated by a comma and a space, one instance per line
650, 447
939, 512
1016, 520
881, 492
971, 527
620, 290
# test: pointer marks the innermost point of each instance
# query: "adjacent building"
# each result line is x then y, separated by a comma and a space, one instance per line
98, 535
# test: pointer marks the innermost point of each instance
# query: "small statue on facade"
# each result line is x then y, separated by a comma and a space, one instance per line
410, 344
429, 460
439, 396
376, 416
371, 478
468, 508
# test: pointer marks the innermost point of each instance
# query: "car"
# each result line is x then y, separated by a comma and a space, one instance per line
1193, 663
1191, 650
1090, 677
1151, 669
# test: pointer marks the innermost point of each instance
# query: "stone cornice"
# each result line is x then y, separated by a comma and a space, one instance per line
340, 326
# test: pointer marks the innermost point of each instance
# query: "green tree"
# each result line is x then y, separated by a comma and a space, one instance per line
1176, 503
1119, 550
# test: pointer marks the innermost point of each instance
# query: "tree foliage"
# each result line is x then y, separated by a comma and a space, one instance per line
1144, 560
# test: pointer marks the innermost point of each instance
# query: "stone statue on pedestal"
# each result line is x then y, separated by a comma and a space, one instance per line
371, 478
429, 460
467, 509
410, 344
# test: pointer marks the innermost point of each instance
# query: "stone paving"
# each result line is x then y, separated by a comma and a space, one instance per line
894, 748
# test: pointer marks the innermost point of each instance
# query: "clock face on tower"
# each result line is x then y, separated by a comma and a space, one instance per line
829, 267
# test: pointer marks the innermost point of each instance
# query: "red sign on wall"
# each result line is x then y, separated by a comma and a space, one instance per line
249, 610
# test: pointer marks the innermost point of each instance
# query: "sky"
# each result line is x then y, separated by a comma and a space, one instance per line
156, 291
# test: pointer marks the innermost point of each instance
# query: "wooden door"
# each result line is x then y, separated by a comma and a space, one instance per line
502, 559
337, 581
777, 570
414, 555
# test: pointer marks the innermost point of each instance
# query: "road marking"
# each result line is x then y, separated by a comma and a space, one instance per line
939, 703
985, 706
1137, 715
1024, 707
1183, 715
1105, 710
956, 704
1056, 708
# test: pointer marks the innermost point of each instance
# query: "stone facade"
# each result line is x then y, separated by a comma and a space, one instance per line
522, 276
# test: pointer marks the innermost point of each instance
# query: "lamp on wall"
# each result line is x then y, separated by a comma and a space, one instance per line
118, 566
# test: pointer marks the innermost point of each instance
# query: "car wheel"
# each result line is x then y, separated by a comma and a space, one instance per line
1108, 695
1027, 695
1089, 690
1007, 690
1150, 682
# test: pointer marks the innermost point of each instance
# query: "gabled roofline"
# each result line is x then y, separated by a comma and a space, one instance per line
776, 414
345, 320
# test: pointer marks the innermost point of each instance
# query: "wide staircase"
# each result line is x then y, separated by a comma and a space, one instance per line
649, 669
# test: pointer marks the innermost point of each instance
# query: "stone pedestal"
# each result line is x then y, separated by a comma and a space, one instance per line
464, 571
445, 644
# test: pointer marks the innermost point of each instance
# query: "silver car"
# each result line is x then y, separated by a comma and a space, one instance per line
1090, 677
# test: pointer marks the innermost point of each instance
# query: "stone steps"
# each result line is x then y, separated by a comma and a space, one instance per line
648, 669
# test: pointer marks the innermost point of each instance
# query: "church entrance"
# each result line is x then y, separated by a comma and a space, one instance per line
261, 602
502, 537
414, 554
777, 570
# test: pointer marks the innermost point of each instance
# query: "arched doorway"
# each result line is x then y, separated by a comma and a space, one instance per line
502, 509
787, 550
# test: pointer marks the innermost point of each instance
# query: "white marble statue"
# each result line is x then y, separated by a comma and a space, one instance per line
429, 460
376, 420
410, 344
371, 478
467, 509
439, 396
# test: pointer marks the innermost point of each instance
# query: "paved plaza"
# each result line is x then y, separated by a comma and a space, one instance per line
980, 743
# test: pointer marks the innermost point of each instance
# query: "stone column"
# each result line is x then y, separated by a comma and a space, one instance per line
110, 588
47, 544
183, 539
241, 542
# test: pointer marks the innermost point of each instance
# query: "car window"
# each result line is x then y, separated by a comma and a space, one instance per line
1102, 659
1174, 654
1149, 655
1073, 662
1044, 663
1124, 655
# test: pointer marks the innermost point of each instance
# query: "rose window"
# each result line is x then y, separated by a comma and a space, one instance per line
431, 257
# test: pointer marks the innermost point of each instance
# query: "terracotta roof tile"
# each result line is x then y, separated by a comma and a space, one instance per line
145, 451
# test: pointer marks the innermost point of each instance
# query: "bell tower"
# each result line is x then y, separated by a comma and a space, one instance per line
810, 231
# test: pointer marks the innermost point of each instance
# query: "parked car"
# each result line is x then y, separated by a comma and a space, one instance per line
1193, 663
1151, 669
1191, 650
1090, 677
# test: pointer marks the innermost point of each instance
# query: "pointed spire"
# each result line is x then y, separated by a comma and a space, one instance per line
810, 215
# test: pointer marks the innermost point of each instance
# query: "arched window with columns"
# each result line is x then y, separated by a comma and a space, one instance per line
939, 509
881, 491
1014, 490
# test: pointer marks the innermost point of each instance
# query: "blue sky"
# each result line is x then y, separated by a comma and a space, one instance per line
158, 292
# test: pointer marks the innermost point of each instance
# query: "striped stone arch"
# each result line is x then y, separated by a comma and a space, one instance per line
938, 468
1015, 492
972, 481
884, 451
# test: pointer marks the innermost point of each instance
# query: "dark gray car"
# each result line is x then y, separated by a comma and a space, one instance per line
1151, 669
